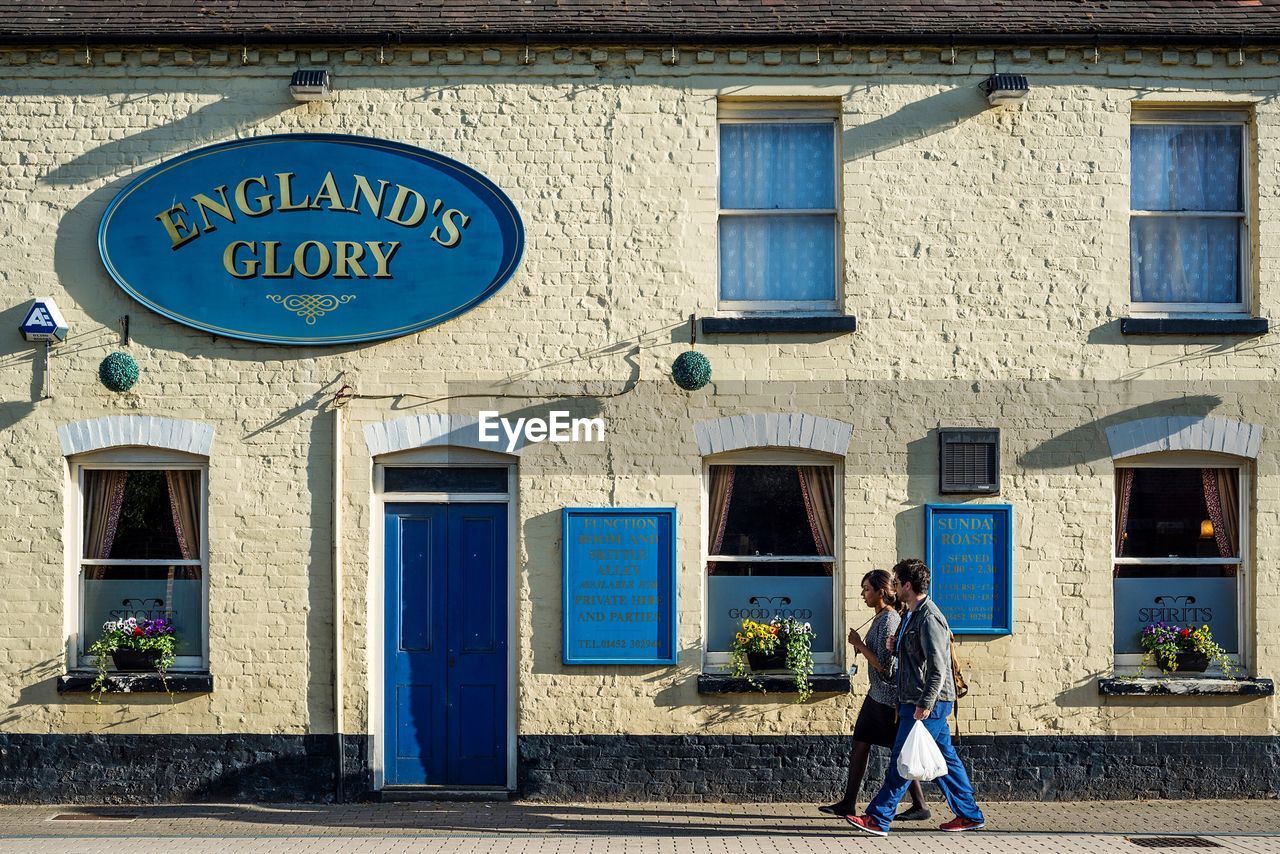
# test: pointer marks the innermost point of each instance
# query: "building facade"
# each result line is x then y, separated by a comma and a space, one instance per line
1033, 334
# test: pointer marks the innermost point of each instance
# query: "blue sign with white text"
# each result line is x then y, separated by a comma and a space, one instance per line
311, 239
969, 551
619, 585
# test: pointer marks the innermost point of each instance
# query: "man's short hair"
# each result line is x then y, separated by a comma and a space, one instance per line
914, 572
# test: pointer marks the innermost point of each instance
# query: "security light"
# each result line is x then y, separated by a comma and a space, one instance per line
1005, 88
310, 85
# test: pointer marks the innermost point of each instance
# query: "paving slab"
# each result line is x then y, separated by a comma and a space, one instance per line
640, 821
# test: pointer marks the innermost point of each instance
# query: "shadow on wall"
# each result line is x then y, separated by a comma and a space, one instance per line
918, 119
1081, 445
230, 116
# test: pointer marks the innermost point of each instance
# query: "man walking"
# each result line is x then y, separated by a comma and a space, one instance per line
926, 692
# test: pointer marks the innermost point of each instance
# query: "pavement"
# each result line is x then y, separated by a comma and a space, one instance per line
1114, 827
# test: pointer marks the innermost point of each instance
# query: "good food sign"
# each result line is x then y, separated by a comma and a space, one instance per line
311, 239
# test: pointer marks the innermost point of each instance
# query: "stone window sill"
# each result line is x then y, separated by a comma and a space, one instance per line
1194, 326
1185, 686
834, 683
186, 682
821, 324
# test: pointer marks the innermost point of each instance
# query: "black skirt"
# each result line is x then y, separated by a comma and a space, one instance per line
877, 724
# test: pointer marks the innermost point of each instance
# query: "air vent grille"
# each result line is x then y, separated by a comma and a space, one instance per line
969, 461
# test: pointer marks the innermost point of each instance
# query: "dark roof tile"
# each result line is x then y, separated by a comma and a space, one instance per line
1218, 21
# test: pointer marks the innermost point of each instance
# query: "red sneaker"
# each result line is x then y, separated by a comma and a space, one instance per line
866, 824
958, 825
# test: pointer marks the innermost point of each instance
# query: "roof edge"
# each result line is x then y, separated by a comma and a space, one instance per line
63, 37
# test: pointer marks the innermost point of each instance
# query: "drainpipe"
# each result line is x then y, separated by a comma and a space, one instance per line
339, 746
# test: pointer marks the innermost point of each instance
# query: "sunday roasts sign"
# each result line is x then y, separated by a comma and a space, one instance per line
311, 239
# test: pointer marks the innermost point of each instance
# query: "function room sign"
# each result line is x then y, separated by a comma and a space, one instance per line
311, 239
969, 550
619, 585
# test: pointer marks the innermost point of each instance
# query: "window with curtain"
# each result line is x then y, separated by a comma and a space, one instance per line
771, 548
1189, 224
141, 552
778, 209
1177, 555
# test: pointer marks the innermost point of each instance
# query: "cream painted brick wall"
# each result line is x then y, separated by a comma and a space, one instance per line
985, 256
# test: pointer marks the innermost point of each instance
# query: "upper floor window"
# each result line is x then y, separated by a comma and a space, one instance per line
1189, 221
779, 219
141, 551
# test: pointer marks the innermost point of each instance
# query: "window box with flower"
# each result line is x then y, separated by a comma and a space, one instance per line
784, 643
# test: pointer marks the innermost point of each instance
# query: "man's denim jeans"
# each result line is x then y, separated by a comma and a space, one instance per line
954, 784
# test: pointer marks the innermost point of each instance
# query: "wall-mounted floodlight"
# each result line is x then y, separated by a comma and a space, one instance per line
310, 85
1005, 88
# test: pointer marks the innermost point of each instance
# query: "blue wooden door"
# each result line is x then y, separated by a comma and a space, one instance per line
446, 644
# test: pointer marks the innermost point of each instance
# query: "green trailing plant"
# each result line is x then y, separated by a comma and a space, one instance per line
1162, 644
787, 635
145, 636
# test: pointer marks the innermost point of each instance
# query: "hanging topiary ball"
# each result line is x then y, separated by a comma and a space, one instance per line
118, 372
691, 370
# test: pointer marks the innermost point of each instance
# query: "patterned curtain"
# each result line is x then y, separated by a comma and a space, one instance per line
184, 504
1124, 494
1222, 502
1185, 169
103, 498
720, 494
817, 485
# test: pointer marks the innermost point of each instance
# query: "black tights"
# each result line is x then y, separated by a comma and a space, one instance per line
858, 767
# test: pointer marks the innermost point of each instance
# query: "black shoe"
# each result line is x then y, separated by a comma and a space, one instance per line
914, 814
839, 808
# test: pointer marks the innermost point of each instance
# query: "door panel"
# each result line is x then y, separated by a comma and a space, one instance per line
446, 644
478, 642
416, 556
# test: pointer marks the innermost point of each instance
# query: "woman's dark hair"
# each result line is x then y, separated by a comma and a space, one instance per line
883, 582
913, 571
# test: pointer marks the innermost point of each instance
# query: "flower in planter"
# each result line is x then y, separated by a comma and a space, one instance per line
156, 637
788, 636
1163, 644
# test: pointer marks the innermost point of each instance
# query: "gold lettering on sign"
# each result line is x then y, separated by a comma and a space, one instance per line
242, 197
178, 229
259, 195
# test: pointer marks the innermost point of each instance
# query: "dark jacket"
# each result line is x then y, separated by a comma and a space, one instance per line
923, 658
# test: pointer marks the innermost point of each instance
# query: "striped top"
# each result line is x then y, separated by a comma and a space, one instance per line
883, 690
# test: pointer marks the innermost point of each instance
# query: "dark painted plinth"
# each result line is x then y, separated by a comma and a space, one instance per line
119, 769
814, 768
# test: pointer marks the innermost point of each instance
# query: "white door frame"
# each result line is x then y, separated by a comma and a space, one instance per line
436, 456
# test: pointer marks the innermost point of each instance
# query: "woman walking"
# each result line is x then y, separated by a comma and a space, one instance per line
877, 721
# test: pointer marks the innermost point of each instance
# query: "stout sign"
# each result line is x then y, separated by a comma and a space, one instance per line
311, 239
619, 586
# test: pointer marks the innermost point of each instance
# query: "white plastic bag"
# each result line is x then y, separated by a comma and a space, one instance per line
920, 758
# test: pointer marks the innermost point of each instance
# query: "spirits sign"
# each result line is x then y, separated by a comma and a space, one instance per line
619, 585
969, 550
311, 239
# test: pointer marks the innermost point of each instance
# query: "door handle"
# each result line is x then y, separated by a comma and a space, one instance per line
453, 662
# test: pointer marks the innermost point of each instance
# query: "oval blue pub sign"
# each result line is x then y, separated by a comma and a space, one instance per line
311, 239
